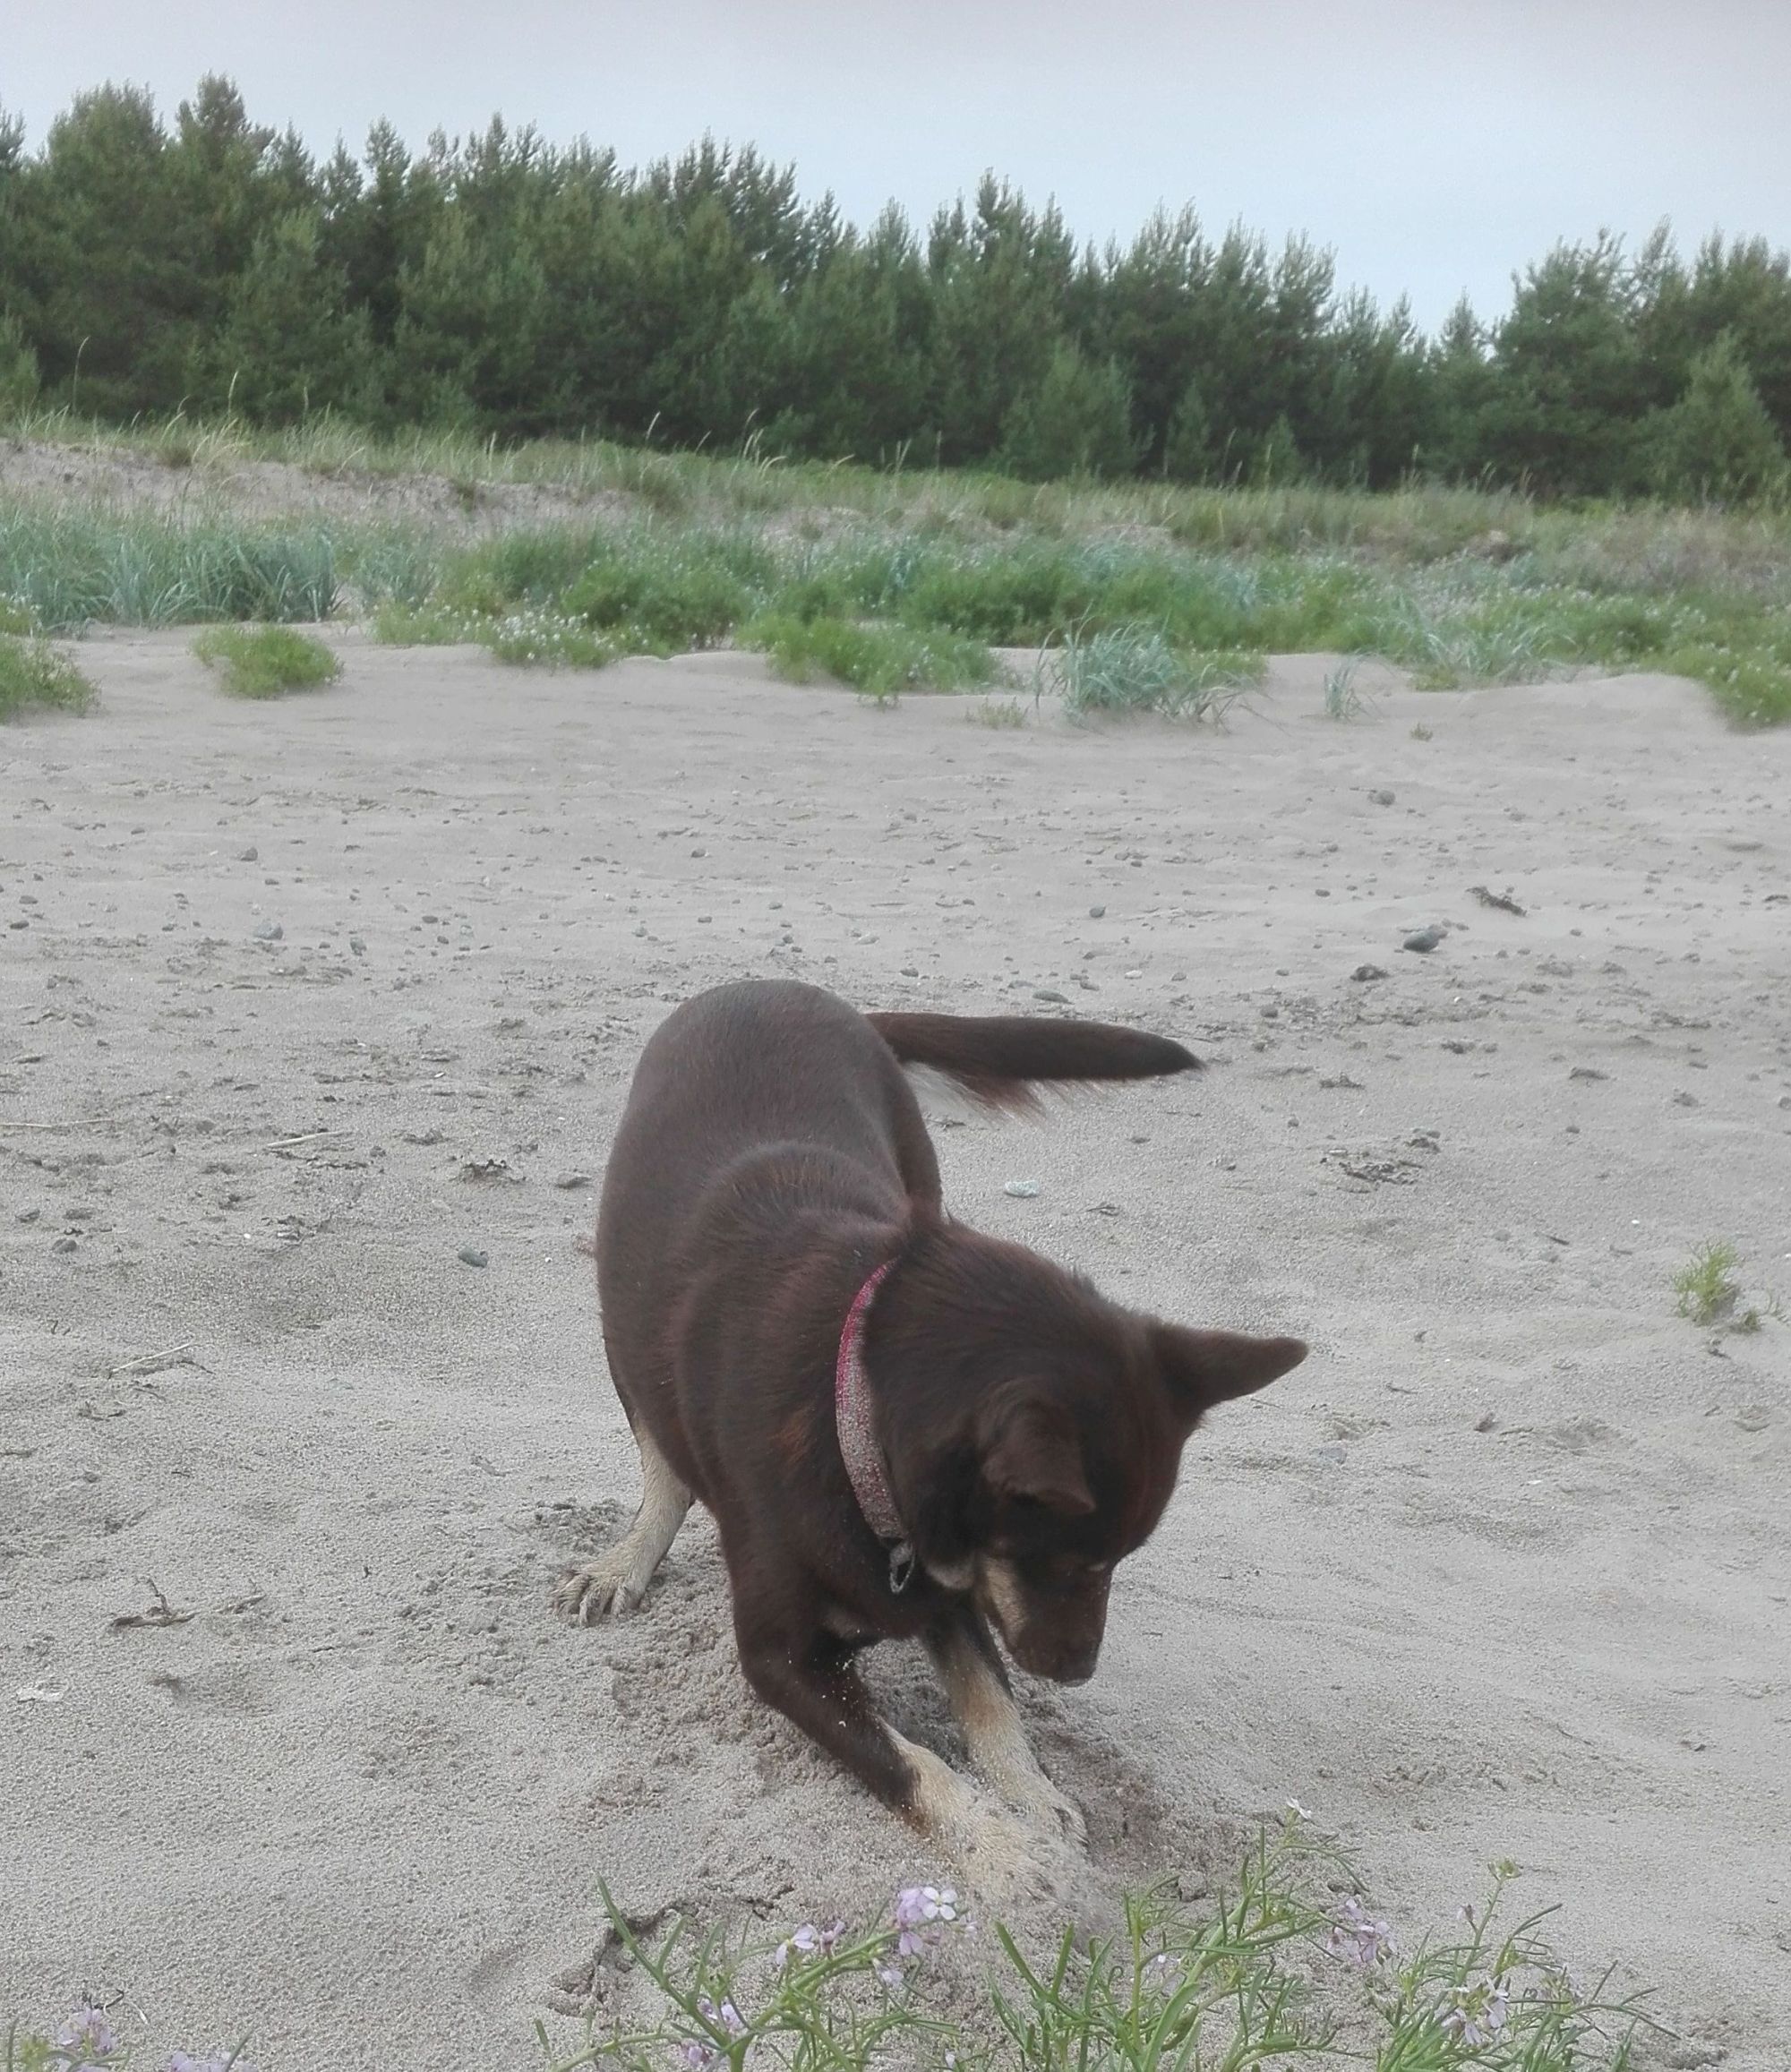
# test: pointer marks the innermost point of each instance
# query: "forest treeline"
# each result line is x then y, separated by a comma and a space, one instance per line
504, 285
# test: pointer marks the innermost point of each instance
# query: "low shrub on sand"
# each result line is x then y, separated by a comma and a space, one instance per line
266, 661
879, 660
35, 677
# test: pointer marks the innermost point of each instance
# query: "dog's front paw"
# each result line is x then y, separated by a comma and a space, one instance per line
603, 1589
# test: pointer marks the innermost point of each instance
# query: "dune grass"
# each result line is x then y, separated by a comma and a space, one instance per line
1135, 669
1706, 1285
1285, 1965
653, 589
266, 661
71, 566
683, 550
1709, 1289
35, 677
880, 661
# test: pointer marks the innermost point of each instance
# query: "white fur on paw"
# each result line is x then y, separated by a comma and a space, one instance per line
602, 1588
1005, 1860
1042, 1802
1002, 1855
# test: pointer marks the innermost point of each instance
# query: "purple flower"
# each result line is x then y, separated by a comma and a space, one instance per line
1479, 2013
696, 2057
1358, 1938
919, 1905
83, 2040
811, 1941
725, 2016
803, 1941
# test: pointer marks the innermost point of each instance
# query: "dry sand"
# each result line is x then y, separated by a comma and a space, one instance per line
219, 483
1501, 1570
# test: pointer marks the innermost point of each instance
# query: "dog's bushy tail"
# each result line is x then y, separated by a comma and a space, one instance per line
998, 1059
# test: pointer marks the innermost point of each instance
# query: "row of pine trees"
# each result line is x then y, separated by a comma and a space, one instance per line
502, 285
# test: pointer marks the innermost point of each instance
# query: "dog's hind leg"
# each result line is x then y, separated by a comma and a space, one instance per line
977, 1688
617, 1581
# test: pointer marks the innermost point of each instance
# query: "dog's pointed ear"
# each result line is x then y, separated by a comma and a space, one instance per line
1034, 1451
1201, 1368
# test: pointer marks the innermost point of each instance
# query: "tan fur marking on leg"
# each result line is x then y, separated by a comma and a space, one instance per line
998, 1586
617, 1581
997, 1735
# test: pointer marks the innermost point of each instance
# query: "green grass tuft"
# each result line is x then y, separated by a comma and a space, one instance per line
1135, 669
1343, 700
266, 661
878, 660
1706, 1285
35, 677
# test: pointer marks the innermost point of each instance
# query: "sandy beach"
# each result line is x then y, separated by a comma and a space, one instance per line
317, 1018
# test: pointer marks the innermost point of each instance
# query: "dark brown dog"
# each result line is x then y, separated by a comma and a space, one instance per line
903, 1428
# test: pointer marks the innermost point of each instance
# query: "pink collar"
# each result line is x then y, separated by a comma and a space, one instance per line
854, 1423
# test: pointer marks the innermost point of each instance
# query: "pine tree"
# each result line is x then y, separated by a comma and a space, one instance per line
1188, 450
289, 345
18, 368
1571, 384
1076, 422
1718, 441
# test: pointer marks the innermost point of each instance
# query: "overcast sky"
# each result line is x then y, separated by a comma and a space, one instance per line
1435, 145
